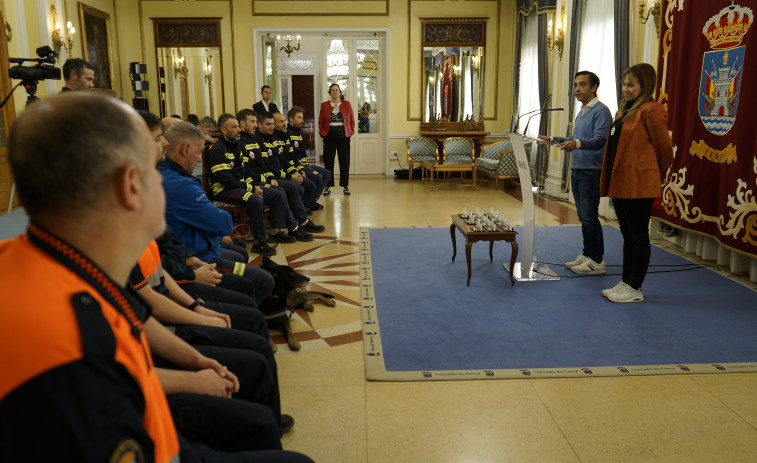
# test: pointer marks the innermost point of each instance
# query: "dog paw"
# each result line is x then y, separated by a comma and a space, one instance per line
295, 346
308, 306
330, 302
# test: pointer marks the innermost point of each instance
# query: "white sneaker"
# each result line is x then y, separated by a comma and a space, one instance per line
621, 284
626, 294
580, 259
589, 267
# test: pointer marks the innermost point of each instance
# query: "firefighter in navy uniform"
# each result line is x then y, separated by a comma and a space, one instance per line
269, 164
229, 182
299, 156
287, 160
256, 170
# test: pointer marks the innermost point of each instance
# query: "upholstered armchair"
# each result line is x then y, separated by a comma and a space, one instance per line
458, 150
421, 149
497, 161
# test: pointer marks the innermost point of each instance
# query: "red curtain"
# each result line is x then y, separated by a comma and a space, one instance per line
448, 87
706, 74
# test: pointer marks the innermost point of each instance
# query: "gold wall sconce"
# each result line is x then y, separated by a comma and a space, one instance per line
654, 12
288, 48
556, 35
208, 70
180, 66
62, 38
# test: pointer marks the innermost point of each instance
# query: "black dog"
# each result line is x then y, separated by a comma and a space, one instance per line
288, 294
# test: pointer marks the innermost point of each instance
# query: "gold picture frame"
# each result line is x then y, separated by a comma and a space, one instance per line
97, 46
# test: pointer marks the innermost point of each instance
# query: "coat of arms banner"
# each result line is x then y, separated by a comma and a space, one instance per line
706, 75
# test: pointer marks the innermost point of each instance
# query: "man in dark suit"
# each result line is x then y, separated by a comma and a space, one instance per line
265, 105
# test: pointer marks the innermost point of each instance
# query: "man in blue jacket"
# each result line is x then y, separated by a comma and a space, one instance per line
588, 146
195, 220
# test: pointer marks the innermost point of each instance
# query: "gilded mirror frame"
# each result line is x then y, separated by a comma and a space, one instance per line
453, 33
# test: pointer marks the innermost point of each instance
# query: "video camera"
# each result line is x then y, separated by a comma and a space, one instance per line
29, 75
44, 69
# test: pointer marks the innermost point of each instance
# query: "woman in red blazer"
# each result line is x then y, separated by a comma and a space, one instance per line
336, 124
638, 153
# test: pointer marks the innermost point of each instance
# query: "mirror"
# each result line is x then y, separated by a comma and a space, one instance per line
188, 54
453, 84
193, 81
452, 87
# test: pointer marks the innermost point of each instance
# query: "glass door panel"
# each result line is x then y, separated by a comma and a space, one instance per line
368, 69
338, 66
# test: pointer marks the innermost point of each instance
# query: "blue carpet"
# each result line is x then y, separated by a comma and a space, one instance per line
432, 326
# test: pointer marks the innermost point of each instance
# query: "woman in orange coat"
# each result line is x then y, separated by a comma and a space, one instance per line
336, 124
638, 154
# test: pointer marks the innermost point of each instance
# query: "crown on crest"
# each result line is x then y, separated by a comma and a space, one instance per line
727, 28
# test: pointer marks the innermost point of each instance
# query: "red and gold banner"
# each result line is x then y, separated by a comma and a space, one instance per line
706, 75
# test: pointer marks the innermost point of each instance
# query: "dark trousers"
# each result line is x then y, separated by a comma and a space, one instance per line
294, 194
276, 198
309, 194
254, 206
247, 355
195, 452
633, 219
261, 280
585, 186
340, 147
241, 309
320, 176
224, 424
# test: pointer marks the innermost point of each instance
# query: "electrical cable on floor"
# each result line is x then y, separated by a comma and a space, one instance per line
578, 275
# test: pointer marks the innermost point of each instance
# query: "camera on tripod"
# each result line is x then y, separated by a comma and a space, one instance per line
29, 75
44, 69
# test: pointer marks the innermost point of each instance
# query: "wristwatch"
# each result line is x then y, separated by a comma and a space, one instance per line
196, 302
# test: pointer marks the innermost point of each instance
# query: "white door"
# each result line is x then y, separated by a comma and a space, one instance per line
355, 63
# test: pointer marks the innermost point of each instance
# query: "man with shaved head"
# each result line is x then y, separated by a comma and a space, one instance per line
74, 348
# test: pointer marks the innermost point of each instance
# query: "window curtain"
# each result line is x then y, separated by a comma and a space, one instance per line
542, 151
597, 50
621, 42
575, 38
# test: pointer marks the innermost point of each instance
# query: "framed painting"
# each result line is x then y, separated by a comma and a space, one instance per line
96, 44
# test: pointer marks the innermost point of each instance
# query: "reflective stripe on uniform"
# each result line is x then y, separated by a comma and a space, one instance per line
239, 268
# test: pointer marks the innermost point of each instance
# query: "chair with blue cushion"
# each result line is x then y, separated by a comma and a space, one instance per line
458, 150
497, 161
421, 149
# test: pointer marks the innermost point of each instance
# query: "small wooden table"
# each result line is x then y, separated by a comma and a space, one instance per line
471, 236
464, 167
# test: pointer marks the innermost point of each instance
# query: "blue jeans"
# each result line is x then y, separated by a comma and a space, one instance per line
585, 186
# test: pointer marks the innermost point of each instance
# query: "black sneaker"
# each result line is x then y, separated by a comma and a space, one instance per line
262, 248
287, 423
327, 191
301, 235
312, 227
280, 238
315, 206
346, 191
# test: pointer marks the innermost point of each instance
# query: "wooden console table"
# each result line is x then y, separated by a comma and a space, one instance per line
471, 236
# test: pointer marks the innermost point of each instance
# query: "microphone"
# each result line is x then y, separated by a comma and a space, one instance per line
514, 128
540, 112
